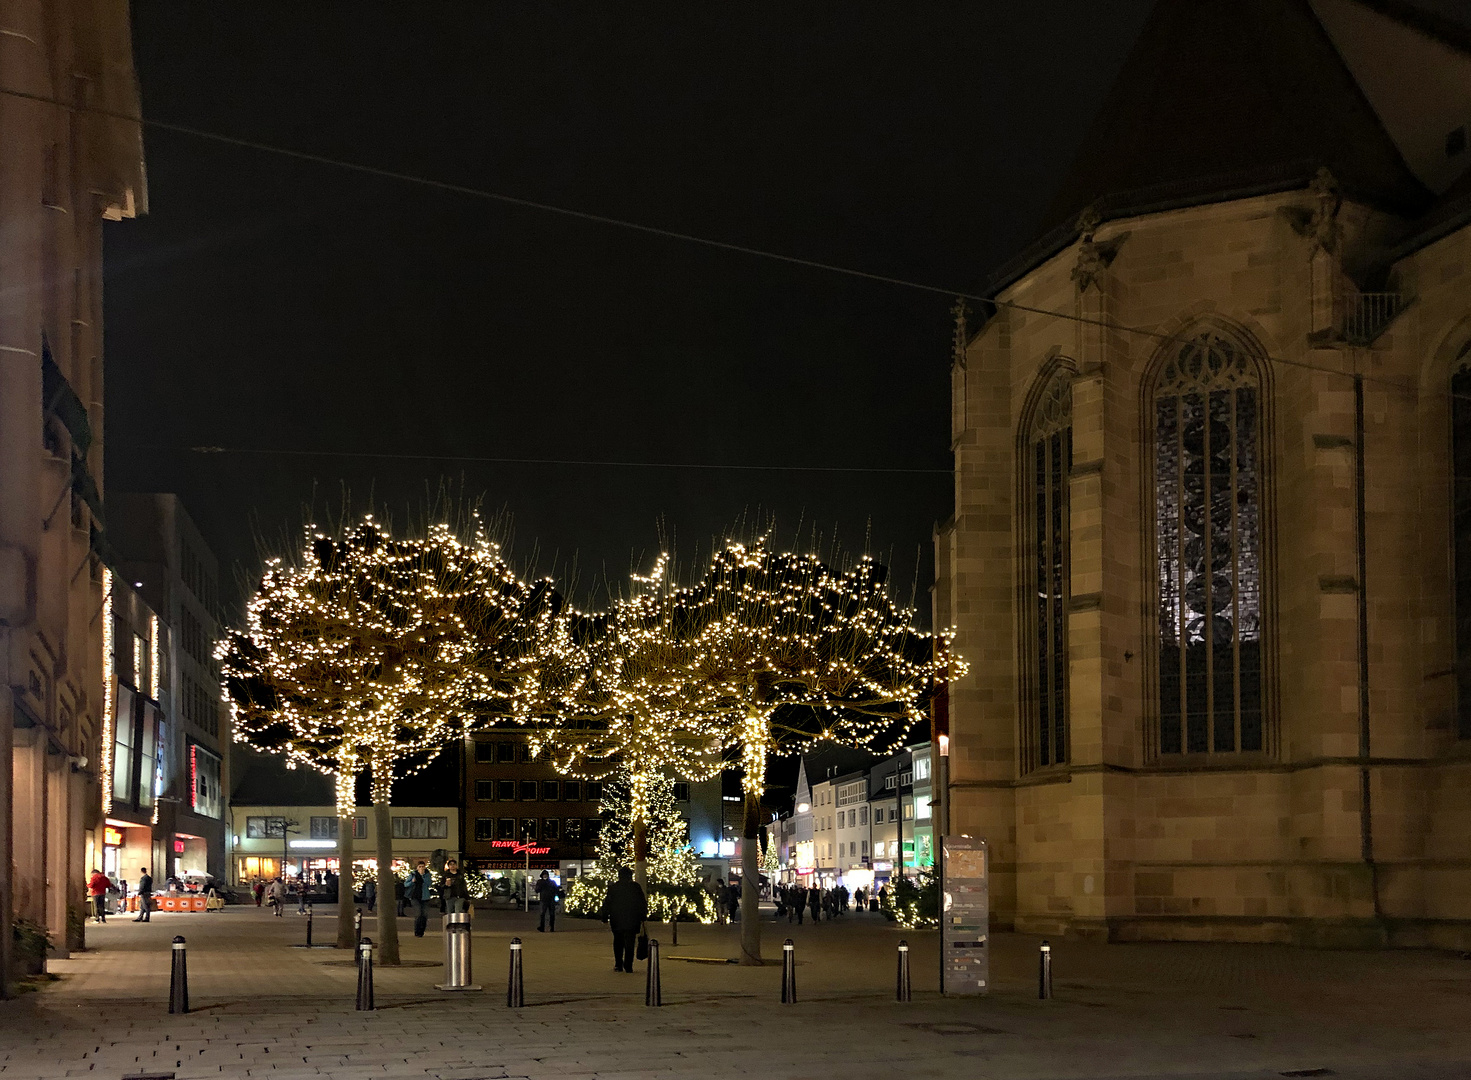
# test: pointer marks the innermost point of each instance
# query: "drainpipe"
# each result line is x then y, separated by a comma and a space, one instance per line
1366, 806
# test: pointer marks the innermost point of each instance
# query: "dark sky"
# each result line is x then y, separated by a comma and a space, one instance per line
267, 304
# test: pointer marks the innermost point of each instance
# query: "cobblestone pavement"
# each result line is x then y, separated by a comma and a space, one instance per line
263, 1008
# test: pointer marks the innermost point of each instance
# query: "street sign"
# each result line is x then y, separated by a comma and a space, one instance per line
965, 916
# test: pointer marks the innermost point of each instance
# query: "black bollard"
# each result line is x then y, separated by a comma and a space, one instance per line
674, 930
653, 990
308, 926
515, 997
788, 973
179, 980
901, 986
357, 928
365, 976
1044, 972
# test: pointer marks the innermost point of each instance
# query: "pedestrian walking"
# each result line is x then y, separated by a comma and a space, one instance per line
98, 886
814, 902
259, 890
276, 896
145, 896
301, 894
370, 894
716, 888
400, 896
624, 910
799, 902
733, 899
548, 893
420, 891
454, 894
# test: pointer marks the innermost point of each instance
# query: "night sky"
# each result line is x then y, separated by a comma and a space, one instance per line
269, 305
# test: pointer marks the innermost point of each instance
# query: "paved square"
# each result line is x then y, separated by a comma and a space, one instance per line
263, 1008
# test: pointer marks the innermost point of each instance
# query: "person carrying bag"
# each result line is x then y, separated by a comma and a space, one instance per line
624, 910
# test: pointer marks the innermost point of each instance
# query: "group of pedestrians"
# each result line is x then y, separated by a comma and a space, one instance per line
794, 901
99, 885
726, 896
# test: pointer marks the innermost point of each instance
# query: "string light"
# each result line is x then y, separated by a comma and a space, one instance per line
374, 653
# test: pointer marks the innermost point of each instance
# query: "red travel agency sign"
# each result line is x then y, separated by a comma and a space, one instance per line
521, 849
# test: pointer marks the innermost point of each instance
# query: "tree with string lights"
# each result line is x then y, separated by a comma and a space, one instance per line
671, 867
772, 652
617, 717
369, 653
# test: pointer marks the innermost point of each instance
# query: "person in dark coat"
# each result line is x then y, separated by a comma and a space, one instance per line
145, 896
798, 896
624, 910
548, 893
454, 894
370, 893
814, 901
420, 891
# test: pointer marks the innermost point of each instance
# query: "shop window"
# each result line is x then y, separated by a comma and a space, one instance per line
1208, 547
484, 828
572, 790
505, 828
550, 791
528, 791
484, 753
505, 790
484, 789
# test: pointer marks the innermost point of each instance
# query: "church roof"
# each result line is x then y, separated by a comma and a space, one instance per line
1222, 97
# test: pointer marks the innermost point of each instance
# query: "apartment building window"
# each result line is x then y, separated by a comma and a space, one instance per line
325, 828
528, 828
484, 828
592, 828
572, 829
265, 828
484, 753
484, 790
528, 791
550, 828
863, 815
572, 790
550, 791
505, 790
681, 791
505, 752
594, 791
420, 828
505, 828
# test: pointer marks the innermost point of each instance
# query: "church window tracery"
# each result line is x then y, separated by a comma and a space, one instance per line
1048, 461
1208, 547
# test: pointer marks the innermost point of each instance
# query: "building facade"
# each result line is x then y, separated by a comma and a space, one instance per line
70, 163
162, 553
1211, 548
303, 840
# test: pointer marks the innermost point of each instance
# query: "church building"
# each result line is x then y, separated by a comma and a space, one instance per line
1210, 561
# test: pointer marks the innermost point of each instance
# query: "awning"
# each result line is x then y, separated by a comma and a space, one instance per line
61, 401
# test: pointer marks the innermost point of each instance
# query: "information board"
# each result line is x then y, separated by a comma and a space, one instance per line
965, 916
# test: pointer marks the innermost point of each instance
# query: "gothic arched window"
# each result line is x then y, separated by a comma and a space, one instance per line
1047, 463
1461, 534
1208, 546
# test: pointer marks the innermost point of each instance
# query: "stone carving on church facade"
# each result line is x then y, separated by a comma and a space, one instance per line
1094, 256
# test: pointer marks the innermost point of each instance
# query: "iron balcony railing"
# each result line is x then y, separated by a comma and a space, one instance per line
1369, 314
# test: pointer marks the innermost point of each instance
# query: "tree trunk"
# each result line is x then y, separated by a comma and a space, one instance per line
641, 853
750, 878
346, 909
387, 904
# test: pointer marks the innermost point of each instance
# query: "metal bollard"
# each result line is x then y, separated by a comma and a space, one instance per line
179, 980
653, 990
901, 986
308, 926
515, 996
365, 976
357, 928
1044, 972
456, 952
788, 973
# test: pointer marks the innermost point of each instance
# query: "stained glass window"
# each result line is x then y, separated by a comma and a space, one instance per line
1207, 484
1049, 460
1461, 525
